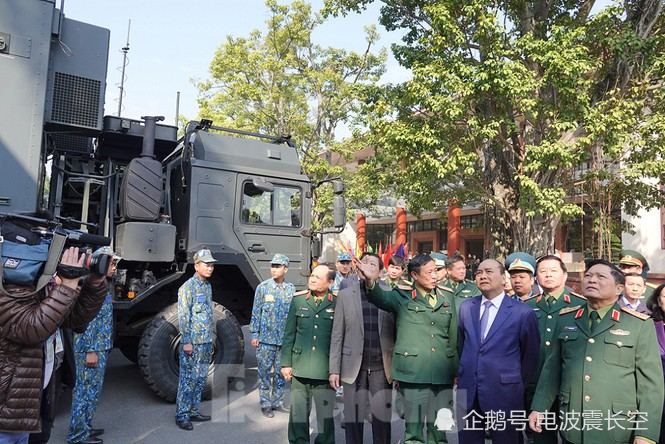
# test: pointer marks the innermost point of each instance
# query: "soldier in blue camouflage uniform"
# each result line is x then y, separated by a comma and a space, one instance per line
271, 306
195, 317
343, 266
91, 349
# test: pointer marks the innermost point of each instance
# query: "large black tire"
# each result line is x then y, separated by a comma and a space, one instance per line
129, 346
160, 345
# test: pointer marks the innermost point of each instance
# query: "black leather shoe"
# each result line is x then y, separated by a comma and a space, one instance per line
267, 412
91, 440
96, 432
185, 425
200, 418
281, 408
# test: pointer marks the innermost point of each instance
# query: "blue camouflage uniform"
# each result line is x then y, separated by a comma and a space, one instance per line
334, 288
98, 338
195, 317
342, 256
271, 307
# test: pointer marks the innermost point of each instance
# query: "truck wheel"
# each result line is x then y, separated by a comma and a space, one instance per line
160, 347
129, 347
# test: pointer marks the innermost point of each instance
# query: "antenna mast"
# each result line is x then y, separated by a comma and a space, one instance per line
124, 50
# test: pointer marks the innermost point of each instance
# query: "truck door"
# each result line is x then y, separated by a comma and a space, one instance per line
274, 222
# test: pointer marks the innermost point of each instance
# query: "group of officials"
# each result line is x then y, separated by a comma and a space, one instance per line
538, 363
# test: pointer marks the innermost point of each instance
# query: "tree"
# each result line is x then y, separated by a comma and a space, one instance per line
280, 82
524, 107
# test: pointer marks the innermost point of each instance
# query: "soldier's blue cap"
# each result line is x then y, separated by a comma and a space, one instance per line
520, 261
280, 259
107, 250
439, 259
204, 255
343, 256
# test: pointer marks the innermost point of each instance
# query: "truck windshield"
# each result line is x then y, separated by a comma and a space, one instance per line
282, 207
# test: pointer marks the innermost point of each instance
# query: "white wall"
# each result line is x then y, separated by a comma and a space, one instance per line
646, 239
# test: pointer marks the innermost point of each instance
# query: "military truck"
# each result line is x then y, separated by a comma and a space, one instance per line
160, 197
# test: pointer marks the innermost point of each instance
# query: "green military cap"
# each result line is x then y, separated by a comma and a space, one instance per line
632, 257
439, 259
520, 261
280, 259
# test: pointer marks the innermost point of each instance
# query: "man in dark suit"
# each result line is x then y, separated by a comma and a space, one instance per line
425, 357
499, 343
361, 347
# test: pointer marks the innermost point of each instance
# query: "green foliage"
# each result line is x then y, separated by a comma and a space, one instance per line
280, 82
522, 106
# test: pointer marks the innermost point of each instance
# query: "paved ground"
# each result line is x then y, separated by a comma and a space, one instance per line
131, 413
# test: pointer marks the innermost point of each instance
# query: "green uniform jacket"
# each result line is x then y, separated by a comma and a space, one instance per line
613, 371
463, 291
547, 319
306, 342
425, 348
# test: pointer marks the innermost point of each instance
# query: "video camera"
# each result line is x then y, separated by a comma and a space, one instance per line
26, 246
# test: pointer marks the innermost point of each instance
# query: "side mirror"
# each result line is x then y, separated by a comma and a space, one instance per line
316, 247
339, 212
262, 185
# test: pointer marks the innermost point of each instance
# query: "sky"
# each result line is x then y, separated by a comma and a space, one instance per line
172, 44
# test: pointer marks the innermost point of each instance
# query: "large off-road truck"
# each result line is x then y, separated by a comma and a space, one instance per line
160, 197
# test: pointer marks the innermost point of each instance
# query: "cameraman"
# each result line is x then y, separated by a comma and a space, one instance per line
28, 320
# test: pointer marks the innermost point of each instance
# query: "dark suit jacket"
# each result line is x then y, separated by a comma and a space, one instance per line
642, 308
498, 370
348, 333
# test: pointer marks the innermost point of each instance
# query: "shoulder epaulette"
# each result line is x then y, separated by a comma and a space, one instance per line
577, 295
404, 287
405, 281
301, 293
637, 314
444, 288
650, 285
531, 297
567, 310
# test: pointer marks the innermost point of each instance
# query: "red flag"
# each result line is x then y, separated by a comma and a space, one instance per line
387, 255
380, 250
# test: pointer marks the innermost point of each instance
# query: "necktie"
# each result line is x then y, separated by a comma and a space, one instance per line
432, 299
551, 301
595, 320
317, 301
483, 319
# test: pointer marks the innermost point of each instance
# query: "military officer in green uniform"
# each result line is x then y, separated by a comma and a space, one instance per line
522, 270
633, 262
604, 367
462, 289
394, 272
304, 358
425, 354
552, 275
